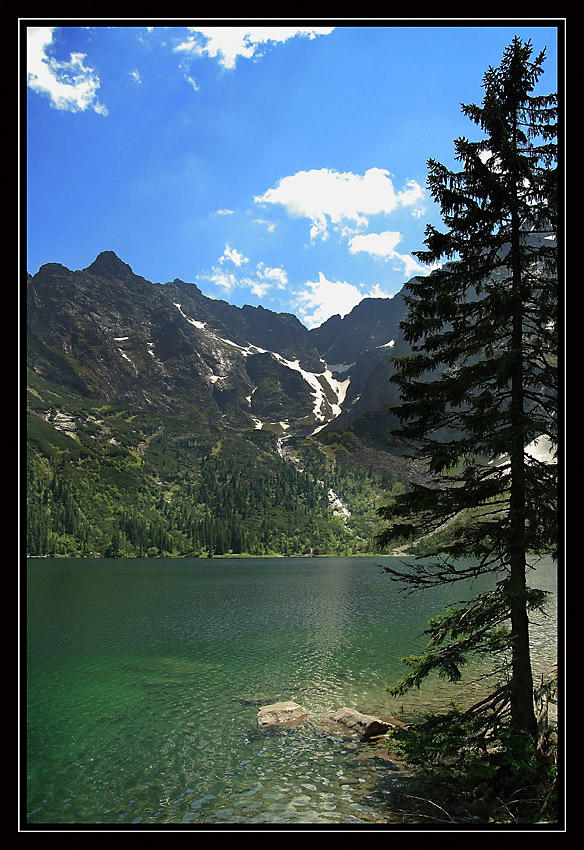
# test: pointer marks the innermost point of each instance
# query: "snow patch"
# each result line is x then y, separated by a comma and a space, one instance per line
313, 380
340, 389
200, 325
541, 449
125, 356
338, 506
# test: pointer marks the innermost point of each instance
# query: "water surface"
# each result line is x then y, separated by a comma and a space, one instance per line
145, 677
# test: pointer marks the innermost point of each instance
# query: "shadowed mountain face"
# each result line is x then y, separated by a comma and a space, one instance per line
111, 335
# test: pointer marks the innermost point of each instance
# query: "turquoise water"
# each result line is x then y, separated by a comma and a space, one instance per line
145, 677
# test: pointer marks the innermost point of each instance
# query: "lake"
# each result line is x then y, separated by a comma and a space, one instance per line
144, 679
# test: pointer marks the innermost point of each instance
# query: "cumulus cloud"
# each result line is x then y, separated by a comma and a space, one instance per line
412, 196
275, 276
413, 268
227, 281
383, 247
265, 279
259, 280
378, 244
228, 44
324, 298
258, 288
233, 255
325, 197
377, 292
71, 86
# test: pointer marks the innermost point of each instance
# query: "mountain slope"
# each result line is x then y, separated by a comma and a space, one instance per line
112, 335
110, 480
164, 423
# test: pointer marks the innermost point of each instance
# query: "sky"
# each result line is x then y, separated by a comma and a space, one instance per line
281, 165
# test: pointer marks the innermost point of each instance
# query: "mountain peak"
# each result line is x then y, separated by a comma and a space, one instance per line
108, 264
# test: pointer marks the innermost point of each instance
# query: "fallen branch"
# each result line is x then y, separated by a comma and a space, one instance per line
432, 803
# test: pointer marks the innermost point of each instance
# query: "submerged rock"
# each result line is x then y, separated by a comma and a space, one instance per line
281, 712
365, 725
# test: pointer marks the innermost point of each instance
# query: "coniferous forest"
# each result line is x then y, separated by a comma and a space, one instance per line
109, 481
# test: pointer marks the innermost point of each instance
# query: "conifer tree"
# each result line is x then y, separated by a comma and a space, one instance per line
481, 382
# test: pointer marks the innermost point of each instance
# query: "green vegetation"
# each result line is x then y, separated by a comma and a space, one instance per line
471, 774
479, 386
109, 481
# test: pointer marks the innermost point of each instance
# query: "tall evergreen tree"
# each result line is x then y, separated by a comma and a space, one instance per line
481, 382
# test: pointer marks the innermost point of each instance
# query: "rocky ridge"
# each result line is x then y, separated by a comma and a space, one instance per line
110, 334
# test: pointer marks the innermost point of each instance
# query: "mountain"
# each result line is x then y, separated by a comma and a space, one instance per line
164, 423
112, 335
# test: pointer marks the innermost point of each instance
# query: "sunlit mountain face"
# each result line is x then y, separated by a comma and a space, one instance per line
112, 335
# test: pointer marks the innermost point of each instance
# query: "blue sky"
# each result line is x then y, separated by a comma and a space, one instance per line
282, 165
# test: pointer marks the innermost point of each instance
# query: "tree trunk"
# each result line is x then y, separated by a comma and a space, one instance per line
522, 704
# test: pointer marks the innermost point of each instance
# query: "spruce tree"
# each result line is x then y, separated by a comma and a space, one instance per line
480, 384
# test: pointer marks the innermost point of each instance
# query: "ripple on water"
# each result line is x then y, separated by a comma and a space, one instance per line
140, 713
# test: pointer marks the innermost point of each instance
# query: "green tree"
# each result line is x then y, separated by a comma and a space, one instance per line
480, 384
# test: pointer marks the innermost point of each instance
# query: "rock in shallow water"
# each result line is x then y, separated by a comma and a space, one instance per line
281, 712
363, 724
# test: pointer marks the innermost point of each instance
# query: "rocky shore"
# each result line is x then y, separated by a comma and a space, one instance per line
365, 726
416, 797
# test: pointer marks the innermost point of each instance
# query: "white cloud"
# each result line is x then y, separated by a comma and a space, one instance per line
71, 86
413, 268
377, 244
382, 246
377, 292
257, 288
259, 282
275, 276
325, 195
412, 196
226, 280
227, 44
269, 225
233, 255
135, 75
192, 82
324, 298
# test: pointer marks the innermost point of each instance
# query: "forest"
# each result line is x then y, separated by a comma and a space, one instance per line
109, 481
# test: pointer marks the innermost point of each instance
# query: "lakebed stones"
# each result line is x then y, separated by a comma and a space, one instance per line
281, 712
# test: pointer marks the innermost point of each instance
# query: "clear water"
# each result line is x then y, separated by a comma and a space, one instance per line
144, 681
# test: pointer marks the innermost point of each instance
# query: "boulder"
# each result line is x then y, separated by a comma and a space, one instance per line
365, 725
281, 712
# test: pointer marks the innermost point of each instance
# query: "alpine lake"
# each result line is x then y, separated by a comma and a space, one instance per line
144, 679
